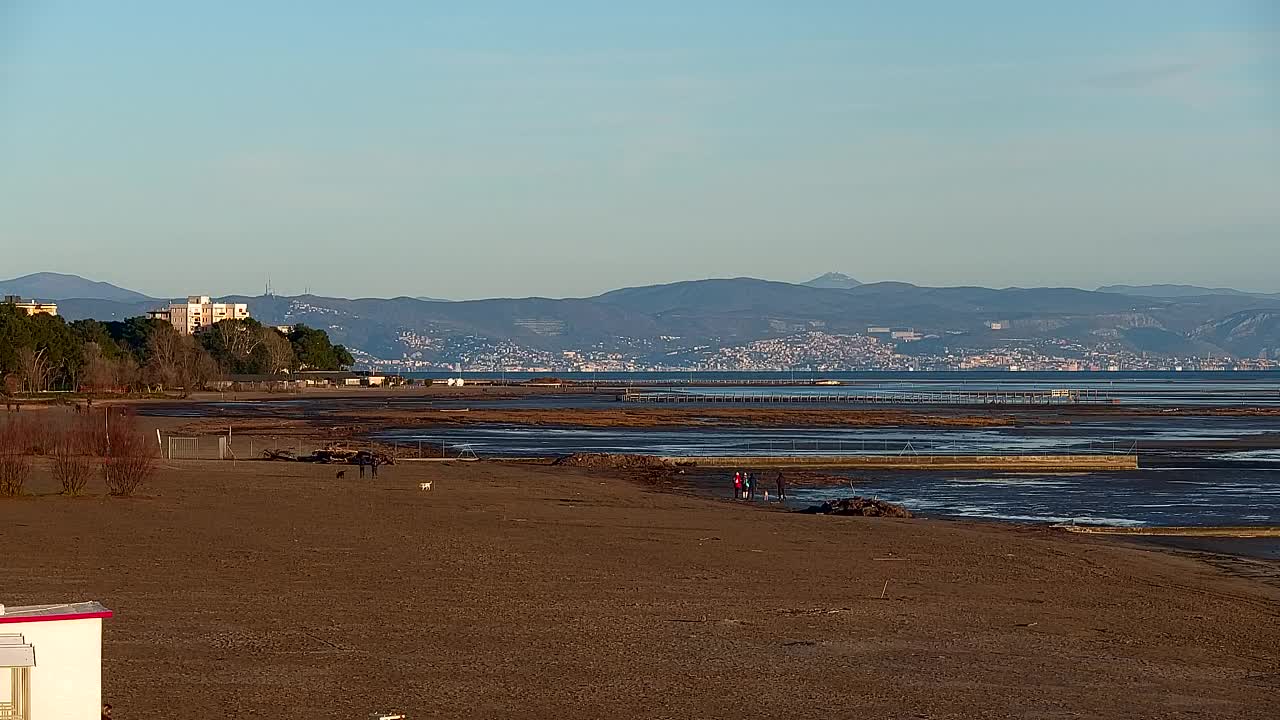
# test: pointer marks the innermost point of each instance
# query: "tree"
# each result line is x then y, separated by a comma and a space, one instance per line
202, 367
314, 351
276, 351
33, 367
97, 372
167, 358
235, 345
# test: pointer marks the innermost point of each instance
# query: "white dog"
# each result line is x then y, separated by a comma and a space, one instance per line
424, 486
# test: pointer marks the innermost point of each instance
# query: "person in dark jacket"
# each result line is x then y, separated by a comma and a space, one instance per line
782, 487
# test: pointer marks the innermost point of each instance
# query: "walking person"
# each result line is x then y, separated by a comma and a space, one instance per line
751, 485
360, 462
737, 485
782, 487
373, 466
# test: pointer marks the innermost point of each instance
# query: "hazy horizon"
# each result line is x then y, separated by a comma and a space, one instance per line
288, 292
568, 149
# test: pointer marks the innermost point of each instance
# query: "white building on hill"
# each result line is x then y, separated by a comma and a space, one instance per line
51, 661
199, 312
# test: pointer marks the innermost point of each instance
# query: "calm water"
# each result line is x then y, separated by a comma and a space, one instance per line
1226, 496
1153, 438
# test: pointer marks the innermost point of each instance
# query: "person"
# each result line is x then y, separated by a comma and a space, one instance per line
373, 467
360, 462
751, 485
737, 485
782, 487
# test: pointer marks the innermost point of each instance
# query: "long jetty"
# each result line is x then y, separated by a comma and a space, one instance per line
1040, 463
958, 397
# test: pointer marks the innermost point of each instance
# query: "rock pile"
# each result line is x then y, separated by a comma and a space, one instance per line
607, 461
865, 507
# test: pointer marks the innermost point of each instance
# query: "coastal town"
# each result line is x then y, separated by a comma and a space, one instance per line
809, 351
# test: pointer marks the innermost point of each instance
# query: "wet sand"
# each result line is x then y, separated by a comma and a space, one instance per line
531, 591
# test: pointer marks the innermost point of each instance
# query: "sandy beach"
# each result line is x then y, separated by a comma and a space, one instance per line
515, 590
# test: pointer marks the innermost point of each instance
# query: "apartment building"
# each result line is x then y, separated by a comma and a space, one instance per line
32, 307
199, 312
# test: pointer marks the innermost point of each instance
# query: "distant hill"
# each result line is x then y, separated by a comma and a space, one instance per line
833, 281
57, 286
656, 321
1247, 333
1175, 291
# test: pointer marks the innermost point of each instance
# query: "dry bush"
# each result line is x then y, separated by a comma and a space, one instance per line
15, 463
131, 456
37, 435
93, 427
73, 456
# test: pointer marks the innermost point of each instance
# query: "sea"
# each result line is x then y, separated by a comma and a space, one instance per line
1196, 469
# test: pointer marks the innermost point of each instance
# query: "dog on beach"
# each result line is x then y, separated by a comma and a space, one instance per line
342, 474
424, 486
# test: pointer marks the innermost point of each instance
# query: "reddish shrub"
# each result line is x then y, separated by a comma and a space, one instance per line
15, 462
130, 456
73, 456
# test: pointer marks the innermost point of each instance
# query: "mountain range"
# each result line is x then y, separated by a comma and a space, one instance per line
58, 286
661, 320
1180, 291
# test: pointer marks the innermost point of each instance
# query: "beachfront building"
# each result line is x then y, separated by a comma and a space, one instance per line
199, 312
51, 661
31, 307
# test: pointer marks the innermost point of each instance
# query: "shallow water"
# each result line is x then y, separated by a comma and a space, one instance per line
1137, 498
1126, 436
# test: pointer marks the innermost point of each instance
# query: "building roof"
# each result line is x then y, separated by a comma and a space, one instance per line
47, 613
326, 374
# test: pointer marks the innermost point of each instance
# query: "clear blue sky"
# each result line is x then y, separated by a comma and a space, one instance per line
471, 149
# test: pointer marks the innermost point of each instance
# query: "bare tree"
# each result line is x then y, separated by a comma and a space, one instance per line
33, 366
98, 373
203, 369
238, 340
167, 358
278, 351
125, 373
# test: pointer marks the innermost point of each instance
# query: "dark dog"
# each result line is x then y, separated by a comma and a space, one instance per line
342, 474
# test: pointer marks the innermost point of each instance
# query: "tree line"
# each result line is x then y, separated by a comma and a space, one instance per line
44, 352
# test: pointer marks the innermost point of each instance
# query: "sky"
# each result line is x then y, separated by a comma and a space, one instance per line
481, 149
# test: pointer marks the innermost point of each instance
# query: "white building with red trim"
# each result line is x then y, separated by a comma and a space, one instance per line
51, 661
